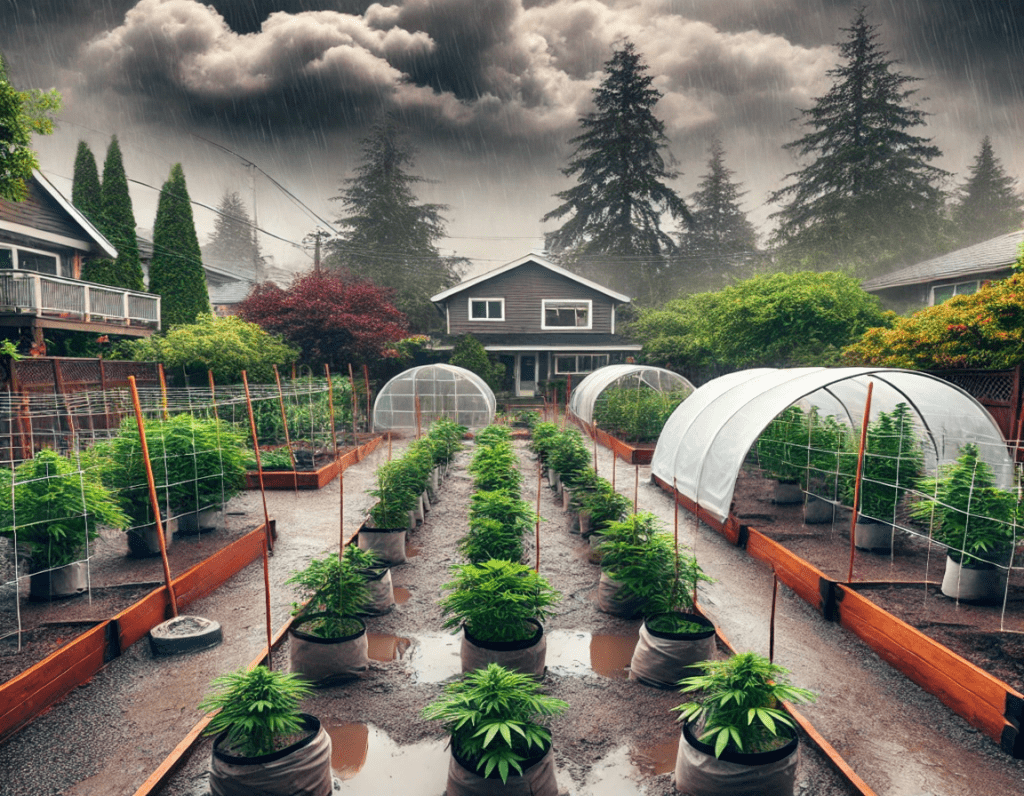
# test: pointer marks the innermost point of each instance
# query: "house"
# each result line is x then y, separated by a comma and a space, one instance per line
43, 242
542, 321
228, 282
956, 273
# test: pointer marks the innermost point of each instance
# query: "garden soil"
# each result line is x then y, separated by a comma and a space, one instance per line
619, 737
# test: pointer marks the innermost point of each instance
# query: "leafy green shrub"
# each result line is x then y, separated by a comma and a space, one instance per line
307, 412
492, 434
470, 354
782, 446
487, 539
447, 436
492, 717
336, 591
511, 511
398, 488
542, 439
636, 414
496, 467
569, 456
604, 504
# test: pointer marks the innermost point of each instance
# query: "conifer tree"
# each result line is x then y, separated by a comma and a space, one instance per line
615, 209
176, 272
233, 241
117, 223
85, 184
868, 197
989, 205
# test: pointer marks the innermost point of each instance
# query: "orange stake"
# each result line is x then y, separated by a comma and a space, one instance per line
636, 489
163, 390
213, 395
536, 567
366, 382
266, 592
284, 423
856, 485
259, 464
771, 624
330, 403
153, 499
355, 403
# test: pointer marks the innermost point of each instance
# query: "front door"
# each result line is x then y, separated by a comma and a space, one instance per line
526, 374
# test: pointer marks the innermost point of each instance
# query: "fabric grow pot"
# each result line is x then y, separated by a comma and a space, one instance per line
984, 584
69, 580
700, 773
817, 511
595, 555
323, 661
144, 541
197, 521
875, 537
611, 601
387, 543
787, 492
583, 524
663, 659
302, 769
537, 779
382, 592
528, 656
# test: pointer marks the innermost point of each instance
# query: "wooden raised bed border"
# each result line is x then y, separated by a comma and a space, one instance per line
631, 453
986, 702
311, 479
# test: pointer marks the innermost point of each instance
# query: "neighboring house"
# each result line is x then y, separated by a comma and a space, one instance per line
956, 273
543, 321
43, 242
226, 281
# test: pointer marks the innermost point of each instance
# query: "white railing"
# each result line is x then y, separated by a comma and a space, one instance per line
31, 293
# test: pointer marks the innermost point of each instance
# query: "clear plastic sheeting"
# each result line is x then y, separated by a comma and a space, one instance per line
705, 441
443, 391
586, 393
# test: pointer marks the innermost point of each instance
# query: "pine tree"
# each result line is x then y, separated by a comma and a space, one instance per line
176, 272
234, 238
616, 207
389, 239
989, 205
22, 113
869, 197
117, 223
720, 237
85, 184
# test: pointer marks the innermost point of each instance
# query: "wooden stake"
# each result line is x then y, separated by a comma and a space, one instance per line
259, 464
636, 489
153, 499
213, 395
366, 383
341, 514
266, 598
284, 422
355, 403
389, 446
856, 484
330, 403
536, 567
614, 462
771, 624
163, 390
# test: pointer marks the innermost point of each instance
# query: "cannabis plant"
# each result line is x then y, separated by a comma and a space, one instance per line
398, 489
488, 538
542, 439
446, 436
496, 467
783, 445
336, 591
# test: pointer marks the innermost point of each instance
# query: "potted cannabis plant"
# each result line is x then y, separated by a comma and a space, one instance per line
328, 639
975, 520
57, 504
782, 453
499, 605
494, 719
497, 523
264, 744
390, 518
736, 737
496, 467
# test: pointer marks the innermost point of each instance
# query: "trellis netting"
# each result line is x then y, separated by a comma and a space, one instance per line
706, 440
587, 395
441, 391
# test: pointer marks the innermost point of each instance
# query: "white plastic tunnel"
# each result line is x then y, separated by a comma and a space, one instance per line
442, 391
706, 440
586, 394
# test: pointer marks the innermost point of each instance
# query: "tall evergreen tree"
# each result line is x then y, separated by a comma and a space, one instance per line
22, 113
117, 223
85, 184
868, 197
389, 238
615, 208
233, 241
720, 237
176, 272
989, 205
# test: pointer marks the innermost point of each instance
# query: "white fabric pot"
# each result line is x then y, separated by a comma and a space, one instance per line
817, 511
973, 585
663, 659
528, 656
387, 543
699, 773
537, 779
610, 601
872, 536
787, 492
323, 661
382, 592
144, 541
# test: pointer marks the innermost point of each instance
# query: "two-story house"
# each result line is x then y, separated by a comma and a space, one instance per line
543, 321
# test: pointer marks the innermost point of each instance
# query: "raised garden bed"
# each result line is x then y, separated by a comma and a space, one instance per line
325, 470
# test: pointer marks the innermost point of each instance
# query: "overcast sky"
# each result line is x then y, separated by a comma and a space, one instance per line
489, 91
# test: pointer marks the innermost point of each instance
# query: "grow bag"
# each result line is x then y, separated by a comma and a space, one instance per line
611, 601
700, 773
875, 537
193, 522
787, 492
818, 511
144, 541
537, 779
323, 661
595, 555
984, 584
69, 580
527, 656
663, 659
302, 769
382, 592
387, 543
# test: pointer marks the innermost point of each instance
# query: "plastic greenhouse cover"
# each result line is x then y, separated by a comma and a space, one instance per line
586, 393
705, 441
443, 391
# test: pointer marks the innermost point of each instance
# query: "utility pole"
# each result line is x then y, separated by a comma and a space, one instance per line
316, 253
257, 264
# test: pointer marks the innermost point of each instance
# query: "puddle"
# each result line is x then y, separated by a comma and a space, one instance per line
578, 652
411, 551
349, 745
657, 759
614, 775
401, 595
366, 760
385, 647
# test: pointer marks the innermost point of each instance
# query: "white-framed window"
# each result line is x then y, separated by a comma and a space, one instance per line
566, 314
942, 293
487, 309
29, 260
579, 363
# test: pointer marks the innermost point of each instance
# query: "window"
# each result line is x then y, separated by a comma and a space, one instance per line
566, 314
579, 363
6, 258
946, 292
487, 309
27, 260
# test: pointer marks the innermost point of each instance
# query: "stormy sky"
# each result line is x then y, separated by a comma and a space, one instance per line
488, 91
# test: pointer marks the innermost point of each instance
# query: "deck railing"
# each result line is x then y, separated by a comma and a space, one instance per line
31, 293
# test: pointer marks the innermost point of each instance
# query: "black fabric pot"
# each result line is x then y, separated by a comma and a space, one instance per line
324, 661
663, 659
537, 779
144, 541
700, 773
302, 769
527, 656
69, 580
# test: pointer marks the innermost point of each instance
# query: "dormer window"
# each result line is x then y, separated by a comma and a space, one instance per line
487, 309
566, 314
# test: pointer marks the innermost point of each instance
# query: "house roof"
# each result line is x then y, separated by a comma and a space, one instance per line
981, 258
548, 341
530, 258
47, 216
229, 292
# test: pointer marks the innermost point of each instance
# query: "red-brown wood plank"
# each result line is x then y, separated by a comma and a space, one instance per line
799, 575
